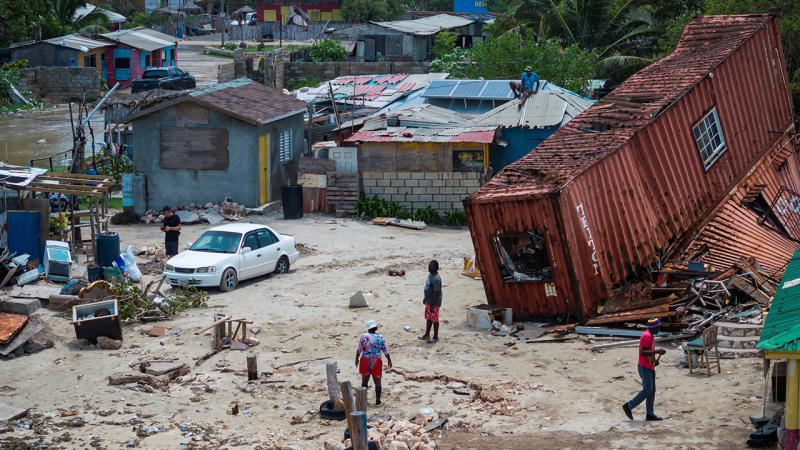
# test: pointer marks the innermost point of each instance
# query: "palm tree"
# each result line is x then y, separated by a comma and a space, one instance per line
622, 32
64, 12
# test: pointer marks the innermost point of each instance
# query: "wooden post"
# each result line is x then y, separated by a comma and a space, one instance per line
361, 399
334, 391
792, 395
252, 368
358, 432
347, 399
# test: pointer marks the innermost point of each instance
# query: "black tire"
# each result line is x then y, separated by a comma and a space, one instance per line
229, 280
326, 411
282, 266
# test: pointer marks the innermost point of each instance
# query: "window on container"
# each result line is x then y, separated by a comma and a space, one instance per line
523, 257
709, 138
285, 145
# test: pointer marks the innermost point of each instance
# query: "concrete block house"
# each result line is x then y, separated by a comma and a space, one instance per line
238, 139
134, 51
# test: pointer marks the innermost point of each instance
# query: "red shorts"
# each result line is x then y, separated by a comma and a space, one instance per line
432, 313
371, 366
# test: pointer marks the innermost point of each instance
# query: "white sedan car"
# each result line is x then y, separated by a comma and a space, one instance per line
226, 254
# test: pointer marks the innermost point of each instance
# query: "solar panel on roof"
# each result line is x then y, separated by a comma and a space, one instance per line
468, 89
440, 88
496, 89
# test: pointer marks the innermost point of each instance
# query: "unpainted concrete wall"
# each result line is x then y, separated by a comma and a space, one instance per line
61, 84
442, 191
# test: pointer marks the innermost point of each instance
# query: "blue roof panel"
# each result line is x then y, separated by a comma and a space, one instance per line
440, 88
497, 90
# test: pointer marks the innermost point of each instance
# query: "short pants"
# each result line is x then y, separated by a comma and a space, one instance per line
371, 366
432, 313
171, 248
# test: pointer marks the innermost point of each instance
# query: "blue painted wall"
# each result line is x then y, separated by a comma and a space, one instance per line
470, 6
521, 141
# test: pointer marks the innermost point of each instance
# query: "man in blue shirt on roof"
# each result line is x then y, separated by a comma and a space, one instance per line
528, 84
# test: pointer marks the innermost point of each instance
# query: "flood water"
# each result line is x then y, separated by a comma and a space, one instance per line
41, 134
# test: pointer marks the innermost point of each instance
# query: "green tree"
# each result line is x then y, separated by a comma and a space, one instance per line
21, 20
366, 10
64, 12
505, 57
428, 5
444, 43
623, 33
327, 50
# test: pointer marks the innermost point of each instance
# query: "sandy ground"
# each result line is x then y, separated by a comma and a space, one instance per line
560, 395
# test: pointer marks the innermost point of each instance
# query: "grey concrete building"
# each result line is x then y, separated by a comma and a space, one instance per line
238, 139
406, 40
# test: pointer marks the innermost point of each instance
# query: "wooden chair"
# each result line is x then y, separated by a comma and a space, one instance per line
703, 347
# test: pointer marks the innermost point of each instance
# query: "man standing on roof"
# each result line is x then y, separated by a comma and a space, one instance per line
368, 357
647, 371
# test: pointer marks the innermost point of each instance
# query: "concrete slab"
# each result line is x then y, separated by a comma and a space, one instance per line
25, 306
8, 412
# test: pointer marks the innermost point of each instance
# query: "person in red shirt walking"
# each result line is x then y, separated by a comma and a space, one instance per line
647, 371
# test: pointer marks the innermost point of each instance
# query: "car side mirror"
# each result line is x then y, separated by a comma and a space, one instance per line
189, 245
246, 250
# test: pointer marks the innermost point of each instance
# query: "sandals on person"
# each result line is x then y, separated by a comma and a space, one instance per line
432, 341
423, 338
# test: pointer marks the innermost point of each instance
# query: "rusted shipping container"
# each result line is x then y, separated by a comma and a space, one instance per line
653, 170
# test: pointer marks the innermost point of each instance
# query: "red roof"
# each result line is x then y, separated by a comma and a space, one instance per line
613, 121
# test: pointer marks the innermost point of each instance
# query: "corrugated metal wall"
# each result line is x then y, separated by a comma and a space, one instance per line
623, 214
23, 233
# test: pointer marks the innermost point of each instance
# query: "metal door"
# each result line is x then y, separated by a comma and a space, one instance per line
346, 158
369, 49
263, 168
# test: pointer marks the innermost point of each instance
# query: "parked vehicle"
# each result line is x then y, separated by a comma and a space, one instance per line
170, 78
224, 255
249, 19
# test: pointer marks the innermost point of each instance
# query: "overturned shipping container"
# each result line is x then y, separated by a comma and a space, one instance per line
692, 156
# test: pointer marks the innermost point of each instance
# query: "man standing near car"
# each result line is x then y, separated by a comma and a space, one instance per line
171, 226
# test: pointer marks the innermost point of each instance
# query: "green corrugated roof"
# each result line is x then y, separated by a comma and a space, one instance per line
782, 330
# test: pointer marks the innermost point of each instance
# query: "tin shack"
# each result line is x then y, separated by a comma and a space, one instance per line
691, 157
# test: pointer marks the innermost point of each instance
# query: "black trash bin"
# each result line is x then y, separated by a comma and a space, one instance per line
292, 198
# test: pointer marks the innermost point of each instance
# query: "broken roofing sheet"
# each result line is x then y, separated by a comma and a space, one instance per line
372, 91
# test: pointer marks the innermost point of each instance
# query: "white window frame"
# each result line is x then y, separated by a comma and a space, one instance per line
705, 132
285, 145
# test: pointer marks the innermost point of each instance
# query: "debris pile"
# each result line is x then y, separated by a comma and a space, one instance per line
210, 213
150, 304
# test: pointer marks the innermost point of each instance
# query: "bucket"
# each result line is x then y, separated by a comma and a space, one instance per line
107, 248
292, 199
94, 273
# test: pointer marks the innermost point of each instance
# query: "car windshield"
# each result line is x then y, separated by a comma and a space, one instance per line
154, 74
217, 242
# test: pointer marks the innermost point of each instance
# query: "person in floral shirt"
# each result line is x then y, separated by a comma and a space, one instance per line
371, 346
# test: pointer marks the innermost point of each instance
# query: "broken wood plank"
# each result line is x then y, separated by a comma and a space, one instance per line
635, 342
300, 362
30, 330
749, 290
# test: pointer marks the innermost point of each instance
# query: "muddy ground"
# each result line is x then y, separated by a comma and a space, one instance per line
554, 395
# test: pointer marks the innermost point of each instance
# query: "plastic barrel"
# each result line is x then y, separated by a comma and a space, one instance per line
94, 273
292, 199
107, 248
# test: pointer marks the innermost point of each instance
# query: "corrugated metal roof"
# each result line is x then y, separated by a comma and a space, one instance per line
483, 135
781, 331
77, 42
544, 109
428, 25
379, 90
613, 121
141, 38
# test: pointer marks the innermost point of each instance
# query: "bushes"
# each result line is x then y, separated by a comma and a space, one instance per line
377, 207
327, 50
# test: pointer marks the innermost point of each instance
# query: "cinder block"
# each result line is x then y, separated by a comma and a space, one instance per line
418, 175
390, 190
470, 183
367, 190
375, 175
418, 190
431, 175
438, 183
405, 190
403, 175
471, 189
389, 175
397, 183
382, 182
458, 175
458, 206
433, 190
426, 198
26, 306
445, 175
412, 183
370, 182
441, 198
398, 197
452, 183
412, 198
426, 183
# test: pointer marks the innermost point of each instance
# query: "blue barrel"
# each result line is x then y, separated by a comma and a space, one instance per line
107, 249
23, 233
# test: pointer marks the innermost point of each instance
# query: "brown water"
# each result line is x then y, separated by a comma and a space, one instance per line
41, 134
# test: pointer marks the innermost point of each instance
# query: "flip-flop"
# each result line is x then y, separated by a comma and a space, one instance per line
422, 338
432, 341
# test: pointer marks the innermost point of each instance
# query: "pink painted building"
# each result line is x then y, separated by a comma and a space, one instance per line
135, 50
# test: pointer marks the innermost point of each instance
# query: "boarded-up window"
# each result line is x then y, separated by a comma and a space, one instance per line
394, 45
194, 148
285, 145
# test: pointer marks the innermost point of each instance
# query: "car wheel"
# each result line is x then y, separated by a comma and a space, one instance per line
229, 280
282, 266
